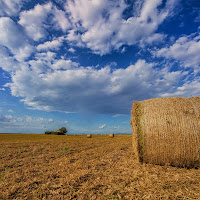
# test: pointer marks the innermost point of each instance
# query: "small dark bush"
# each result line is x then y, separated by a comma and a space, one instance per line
63, 130
54, 133
60, 133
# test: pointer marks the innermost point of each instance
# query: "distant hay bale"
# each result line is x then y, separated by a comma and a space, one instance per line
89, 135
166, 131
111, 135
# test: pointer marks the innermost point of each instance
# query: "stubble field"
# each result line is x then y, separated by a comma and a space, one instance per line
77, 167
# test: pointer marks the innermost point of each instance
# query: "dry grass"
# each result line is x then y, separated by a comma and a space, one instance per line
73, 167
168, 131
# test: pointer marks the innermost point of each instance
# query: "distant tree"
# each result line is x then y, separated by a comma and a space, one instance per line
60, 131
63, 130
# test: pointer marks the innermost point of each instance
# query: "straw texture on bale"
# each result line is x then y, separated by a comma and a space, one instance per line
111, 135
166, 131
89, 135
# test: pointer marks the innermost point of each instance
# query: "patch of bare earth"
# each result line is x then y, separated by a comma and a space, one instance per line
77, 167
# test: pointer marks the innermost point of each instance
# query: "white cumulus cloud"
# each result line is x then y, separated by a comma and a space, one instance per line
102, 126
17, 43
185, 49
189, 87
68, 87
38, 20
11, 7
49, 45
102, 26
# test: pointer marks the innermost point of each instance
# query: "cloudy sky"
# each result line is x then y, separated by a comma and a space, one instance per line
82, 63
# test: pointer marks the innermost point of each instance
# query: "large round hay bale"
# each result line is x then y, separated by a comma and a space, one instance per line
111, 135
166, 131
89, 135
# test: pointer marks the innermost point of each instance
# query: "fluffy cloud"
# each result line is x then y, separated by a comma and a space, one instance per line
189, 87
102, 126
72, 50
5, 119
185, 49
49, 45
153, 39
117, 115
7, 38
11, 7
105, 27
66, 86
16, 43
42, 17
33, 21
8, 63
60, 20
48, 56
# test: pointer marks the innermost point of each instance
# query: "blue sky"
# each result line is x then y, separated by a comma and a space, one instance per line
82, 63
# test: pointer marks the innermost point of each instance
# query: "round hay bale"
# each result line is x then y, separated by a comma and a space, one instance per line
89, 135
166, 131
111, 135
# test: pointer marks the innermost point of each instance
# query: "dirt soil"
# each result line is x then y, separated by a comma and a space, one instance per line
77, 167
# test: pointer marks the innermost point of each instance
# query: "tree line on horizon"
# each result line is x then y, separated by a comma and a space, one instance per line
61, 131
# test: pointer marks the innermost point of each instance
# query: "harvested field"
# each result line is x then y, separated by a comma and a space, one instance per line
73, 167
166, 131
